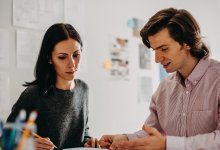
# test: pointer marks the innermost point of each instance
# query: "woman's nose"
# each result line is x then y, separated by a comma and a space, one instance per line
72, 62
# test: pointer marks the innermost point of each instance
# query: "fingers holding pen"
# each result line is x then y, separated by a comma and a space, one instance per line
43, 144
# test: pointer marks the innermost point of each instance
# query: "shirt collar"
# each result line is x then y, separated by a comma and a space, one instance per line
197, 72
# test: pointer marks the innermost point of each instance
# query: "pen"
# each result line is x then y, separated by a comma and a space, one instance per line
38, 136
27, 129
1, 135
12, 137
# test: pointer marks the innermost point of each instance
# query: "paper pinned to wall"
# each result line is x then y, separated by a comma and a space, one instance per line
74, 13
28, 47
4, 91
119, 56
4, 48
145, 88
144, 57
136, 25
219, 4
83, 67
37, 13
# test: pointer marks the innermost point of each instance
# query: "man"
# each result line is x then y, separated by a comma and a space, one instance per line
185, 109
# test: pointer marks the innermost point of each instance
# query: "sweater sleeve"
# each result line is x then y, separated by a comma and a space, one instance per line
24, 102
86, 100
86, 134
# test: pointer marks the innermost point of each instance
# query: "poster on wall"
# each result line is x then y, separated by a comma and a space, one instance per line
74, 14
119, 57
4, 91
4, 48
37, 14
144, 57
136, 25
219, 4
28, 47
145, 86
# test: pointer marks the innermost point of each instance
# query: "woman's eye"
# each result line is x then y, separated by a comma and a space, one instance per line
61, 57
76, 55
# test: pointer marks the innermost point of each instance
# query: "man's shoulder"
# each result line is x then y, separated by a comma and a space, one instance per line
214, 66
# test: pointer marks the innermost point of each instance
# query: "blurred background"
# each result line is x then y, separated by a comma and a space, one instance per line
119, 69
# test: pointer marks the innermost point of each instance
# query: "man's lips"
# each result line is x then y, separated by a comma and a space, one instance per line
165, 65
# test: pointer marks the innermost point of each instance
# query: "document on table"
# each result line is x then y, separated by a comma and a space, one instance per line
83, 148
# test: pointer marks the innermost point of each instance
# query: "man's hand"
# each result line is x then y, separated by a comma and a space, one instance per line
155, 141
107, 140
92, 143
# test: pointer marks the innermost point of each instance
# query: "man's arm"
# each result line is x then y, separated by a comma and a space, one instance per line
209, 141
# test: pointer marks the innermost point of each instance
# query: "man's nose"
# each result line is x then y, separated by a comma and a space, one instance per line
158, 56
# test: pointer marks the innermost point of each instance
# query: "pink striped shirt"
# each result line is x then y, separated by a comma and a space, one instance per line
188, 114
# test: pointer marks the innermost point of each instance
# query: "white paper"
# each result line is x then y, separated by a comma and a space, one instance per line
83, 148
144, 57
37, 13
74, 13
144, 89
4, 91
28, 47
4, 48
83, 63
119, 56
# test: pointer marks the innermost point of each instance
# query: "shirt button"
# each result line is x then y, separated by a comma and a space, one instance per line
184, 114
187, 92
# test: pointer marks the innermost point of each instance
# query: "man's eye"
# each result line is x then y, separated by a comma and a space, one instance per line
164, 49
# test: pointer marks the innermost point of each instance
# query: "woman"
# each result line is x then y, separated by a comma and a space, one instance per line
60, 100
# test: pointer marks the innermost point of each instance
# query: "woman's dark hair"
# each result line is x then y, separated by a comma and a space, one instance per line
45, 75
182, 27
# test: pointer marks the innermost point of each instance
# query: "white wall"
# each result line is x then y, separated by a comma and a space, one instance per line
113, 104
114, 107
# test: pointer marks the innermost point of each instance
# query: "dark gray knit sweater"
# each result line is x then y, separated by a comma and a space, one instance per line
62, 114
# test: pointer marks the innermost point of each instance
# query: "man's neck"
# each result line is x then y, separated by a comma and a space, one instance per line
189, 67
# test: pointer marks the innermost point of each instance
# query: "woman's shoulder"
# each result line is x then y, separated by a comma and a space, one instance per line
31, 89
27, 97
81, 83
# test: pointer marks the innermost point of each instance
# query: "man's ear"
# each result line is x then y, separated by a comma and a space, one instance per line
186, 46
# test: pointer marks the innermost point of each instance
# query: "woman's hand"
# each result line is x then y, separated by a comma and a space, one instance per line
43, 144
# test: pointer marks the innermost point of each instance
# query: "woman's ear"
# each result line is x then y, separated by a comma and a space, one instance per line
50, 61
